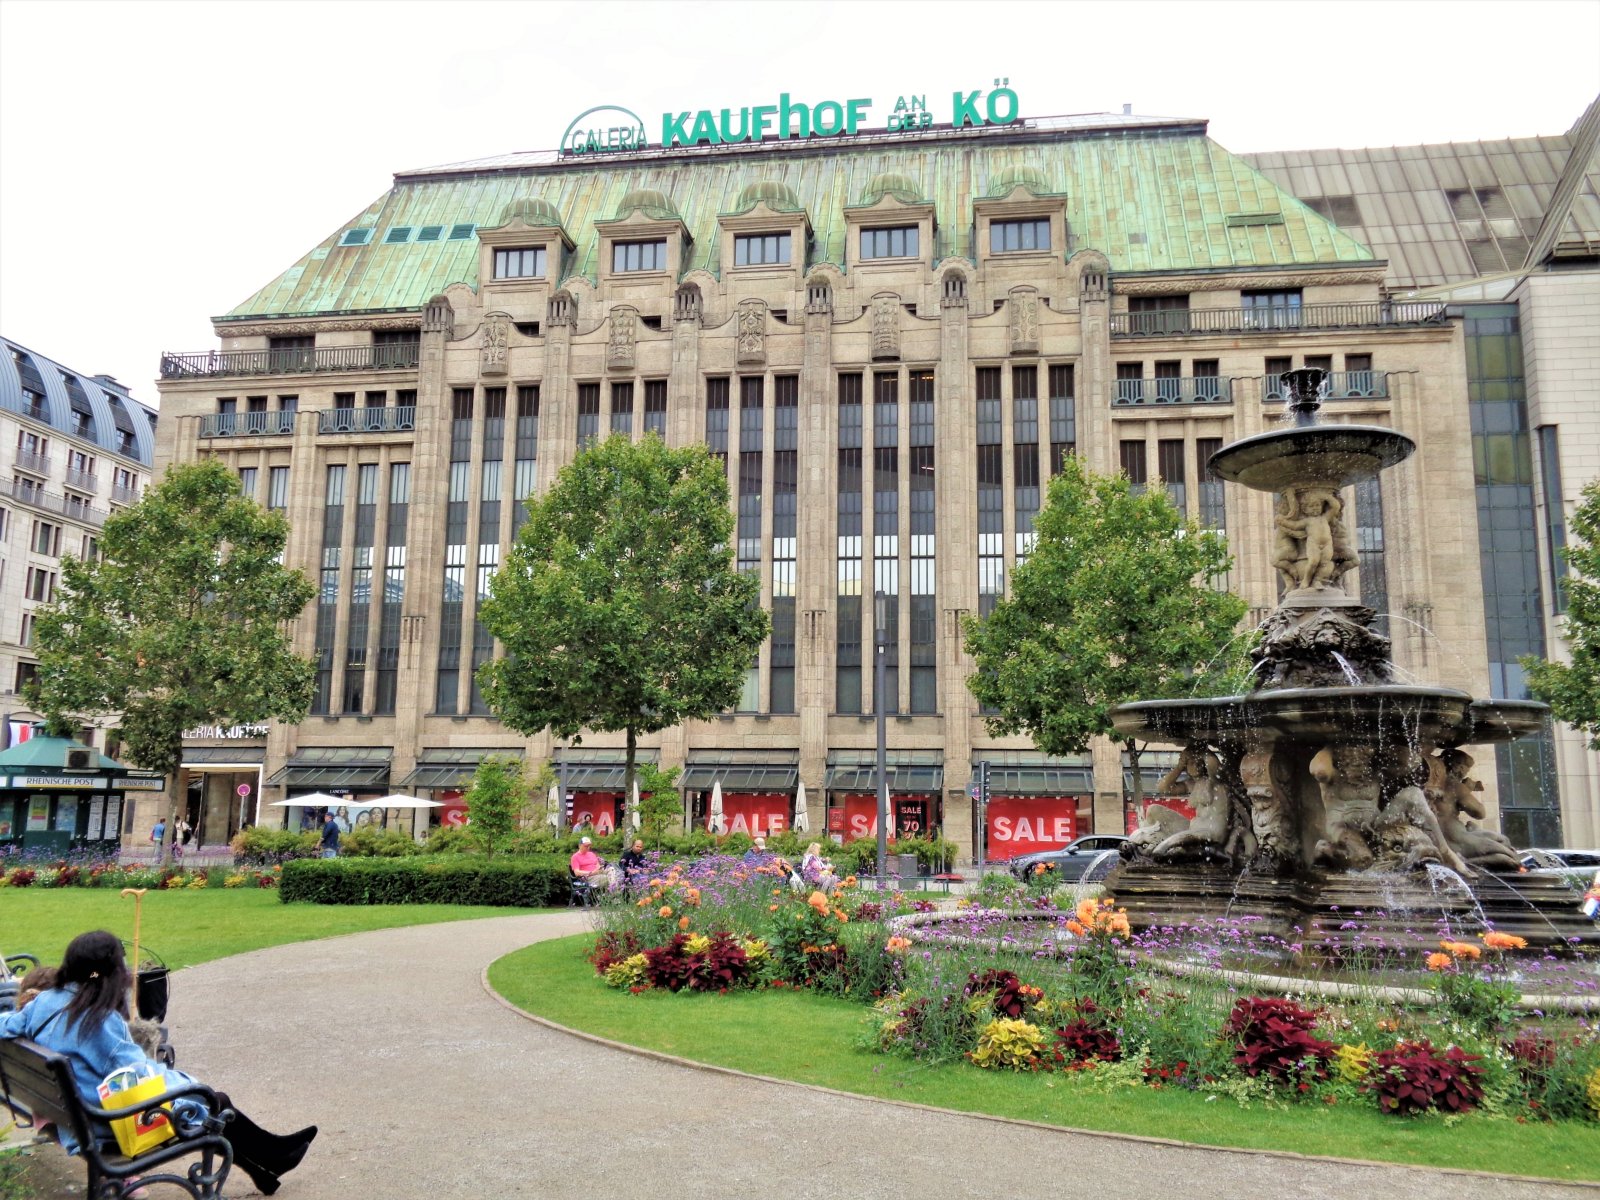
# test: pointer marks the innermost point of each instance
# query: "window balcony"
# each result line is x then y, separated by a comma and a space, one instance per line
401, 356
34, 464
400, 419
66, 506
247, 424
1189, 389
124, 495
1341, 385
82, 480
1276, 319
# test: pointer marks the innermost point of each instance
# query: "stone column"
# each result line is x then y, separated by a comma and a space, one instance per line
956, 554
818, 548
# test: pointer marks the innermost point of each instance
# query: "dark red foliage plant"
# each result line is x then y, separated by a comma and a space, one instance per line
1415, 1077
1087, 1037
1010, 1000
720, 967
1274, 1038
670, 966
613, 946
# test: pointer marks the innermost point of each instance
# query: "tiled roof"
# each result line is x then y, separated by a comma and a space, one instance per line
1153, 194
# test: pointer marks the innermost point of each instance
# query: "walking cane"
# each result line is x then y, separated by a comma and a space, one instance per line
138, 908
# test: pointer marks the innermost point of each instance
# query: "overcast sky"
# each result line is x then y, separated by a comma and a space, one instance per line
159, 162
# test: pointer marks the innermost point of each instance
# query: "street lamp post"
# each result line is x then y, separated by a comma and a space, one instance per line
881, 705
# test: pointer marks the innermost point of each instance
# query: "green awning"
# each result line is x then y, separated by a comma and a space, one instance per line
195, 756
449, 769
335, 767
859, 778
1040, 781
782, 775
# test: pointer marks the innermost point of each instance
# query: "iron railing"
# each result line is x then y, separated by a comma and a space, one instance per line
367, 420
39, 464
24, 492
82, 480
247, 424
391, 357
124, 495
1341, 385
1354, 315
1189, 389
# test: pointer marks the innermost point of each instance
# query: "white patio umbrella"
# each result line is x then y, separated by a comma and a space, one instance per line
802, 822
715, 823
633, 809
310, 800
553, 803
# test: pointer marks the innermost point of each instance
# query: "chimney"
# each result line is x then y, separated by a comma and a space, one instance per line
1127, 110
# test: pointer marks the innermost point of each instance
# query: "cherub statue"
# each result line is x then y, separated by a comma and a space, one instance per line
1207, 834
1454, 798
1288, 533
1350, 791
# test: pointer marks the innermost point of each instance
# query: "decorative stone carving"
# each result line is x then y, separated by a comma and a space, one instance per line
1024, 322
955, 290
885, 327
437, 315
1322, 647
624, 335
493, 353
686, 303
752, 333
1165, 286
819, 296
1267, 783
1453, 795
1350, 792
563, 309
1156, 824
1311, 544
1207, 834
230, 329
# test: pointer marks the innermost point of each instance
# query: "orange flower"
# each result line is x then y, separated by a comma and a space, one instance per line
683, 922
819, 902
665, 911
1439, 962
1085, 911
839, 913
772, 908
896, 945
1076, 929
1462, 949
849, 881
1504, 941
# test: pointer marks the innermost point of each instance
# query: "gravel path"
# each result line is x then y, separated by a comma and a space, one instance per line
425, 1086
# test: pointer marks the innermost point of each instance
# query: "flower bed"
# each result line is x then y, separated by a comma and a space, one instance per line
101, 874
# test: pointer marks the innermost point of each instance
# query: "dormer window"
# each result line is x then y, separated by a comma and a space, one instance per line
760, 250
525, 262
1007, 237
639, 256
899, 241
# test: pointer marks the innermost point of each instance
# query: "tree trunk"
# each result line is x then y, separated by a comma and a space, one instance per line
627, 786
1132, 748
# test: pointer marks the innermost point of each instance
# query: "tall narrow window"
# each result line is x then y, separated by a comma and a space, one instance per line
847, 660
1133, 463
454, 595
622, 408
717, 418
588, 413
924, 606
1169, 461
655, 407
1555, 512
494, 436
394, 590
328, 590
355, 652
1369, 552
525, 480
785, 515
886, 526
1063, 416
278, 488
991, 493
1025, 454
1213, 506
1130, 383
751, 433
247, 482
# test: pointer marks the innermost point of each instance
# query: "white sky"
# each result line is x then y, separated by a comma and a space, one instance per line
159, 162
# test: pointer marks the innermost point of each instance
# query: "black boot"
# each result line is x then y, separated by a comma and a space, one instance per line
262, 1155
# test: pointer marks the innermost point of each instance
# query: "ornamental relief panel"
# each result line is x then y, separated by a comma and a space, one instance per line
886, 326
1024, 306
623, 338
752, 333
492, 349
1161, 287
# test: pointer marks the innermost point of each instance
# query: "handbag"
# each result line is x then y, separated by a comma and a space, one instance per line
128, 1086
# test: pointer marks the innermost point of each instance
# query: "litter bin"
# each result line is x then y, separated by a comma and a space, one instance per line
905, 866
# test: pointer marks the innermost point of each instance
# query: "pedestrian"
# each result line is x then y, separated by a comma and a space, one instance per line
159, 833
330, 836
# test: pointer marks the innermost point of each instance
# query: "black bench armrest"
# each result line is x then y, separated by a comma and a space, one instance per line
198, 1090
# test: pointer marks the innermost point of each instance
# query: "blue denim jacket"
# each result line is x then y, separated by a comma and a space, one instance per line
94, 1051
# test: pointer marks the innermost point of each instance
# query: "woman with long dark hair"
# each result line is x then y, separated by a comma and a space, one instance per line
85, 1019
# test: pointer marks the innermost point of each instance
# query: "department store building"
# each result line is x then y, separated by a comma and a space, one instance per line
892, 337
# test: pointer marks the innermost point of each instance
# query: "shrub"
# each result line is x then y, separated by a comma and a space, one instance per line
21, 877
1414, 1077
1274, 1038
1008, 1044
426, 880
668, 966
1009, 996
1087, 1037
260, 846
371, 841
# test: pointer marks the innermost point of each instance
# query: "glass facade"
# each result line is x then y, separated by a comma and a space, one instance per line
1025, 454
751, 481
359, 621
785, 539
924, 600
328, 587
493, 446
847, 661
394, 589
886, 531
454, 593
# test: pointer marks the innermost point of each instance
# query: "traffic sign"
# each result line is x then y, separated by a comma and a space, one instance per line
242, 790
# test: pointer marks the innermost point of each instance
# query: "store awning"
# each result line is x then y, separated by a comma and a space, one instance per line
583, 770
335, 767
199, 756
742, 771
452, 768
856, 777
1040, 781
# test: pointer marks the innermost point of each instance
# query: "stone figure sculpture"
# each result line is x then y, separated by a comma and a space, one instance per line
1156, 824
1267, 779
1350, 792
1453, 796
1311, 545
1207, 832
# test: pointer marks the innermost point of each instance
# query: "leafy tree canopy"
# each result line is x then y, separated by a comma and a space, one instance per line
660, 802
1572, 690
182, 621
495, 802
1115, 603
619, 605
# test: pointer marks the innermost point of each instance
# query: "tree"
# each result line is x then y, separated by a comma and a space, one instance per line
1115, 603
539, 809
1572, 690
619, 605
496, 802
181, 621
660, 803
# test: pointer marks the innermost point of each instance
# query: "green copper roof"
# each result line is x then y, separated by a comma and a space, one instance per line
44, 751
1151, 202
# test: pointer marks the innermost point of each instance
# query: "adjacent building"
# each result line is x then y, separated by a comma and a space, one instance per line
892, 338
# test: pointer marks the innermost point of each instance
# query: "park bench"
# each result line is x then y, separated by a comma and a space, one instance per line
36, 1085
946, 880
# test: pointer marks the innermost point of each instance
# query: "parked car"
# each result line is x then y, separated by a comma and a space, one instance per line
1075, 860
1555, 859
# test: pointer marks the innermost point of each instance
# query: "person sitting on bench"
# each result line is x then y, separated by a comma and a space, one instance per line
588, 871
85, 1019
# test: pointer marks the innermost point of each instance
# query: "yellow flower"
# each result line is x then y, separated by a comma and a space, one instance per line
1504, 941
1353, 1062
1593, 1091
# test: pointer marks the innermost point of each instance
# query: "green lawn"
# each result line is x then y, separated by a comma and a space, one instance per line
188, 927
814, 1039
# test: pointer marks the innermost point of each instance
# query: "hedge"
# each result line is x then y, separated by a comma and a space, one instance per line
508, 883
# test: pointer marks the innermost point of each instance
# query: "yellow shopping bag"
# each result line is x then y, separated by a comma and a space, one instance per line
128, 1086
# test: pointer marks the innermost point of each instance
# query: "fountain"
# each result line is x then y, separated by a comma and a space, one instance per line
1330, 798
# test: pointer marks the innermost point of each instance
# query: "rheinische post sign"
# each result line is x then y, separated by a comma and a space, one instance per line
610, 129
